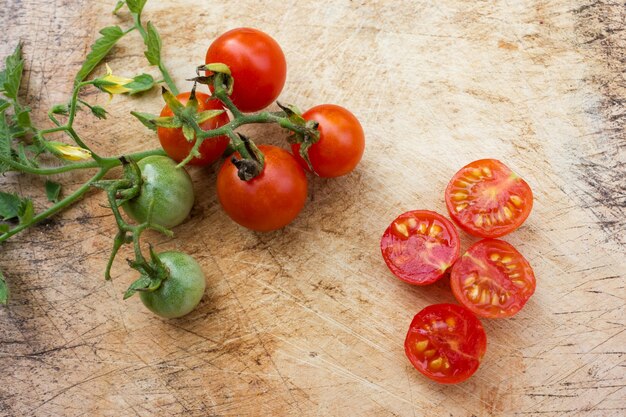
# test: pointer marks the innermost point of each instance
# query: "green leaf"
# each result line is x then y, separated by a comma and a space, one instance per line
171, 122
171, 100
5, 142
60, 109
216, 67
142, 82
146, 119
207, 114
99, 112
11, 76
153, 42
189, 133
141, 284
293, 113
118, 6
136, 6
100, 48
21, 153
4, 290
23, 118
4, 228
53, 190
4, 105
26, 211
9, 206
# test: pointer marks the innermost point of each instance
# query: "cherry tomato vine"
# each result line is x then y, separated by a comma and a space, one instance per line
245, 71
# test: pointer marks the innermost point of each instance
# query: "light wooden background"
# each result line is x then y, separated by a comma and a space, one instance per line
307, 321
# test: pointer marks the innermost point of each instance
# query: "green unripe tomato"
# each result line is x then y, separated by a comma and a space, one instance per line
170, 188
181, 291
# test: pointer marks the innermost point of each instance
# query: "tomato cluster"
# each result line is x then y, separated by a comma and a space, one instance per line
492, 279
276, 196
273, 196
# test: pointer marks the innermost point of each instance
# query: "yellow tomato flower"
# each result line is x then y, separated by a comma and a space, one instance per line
118, 82
69, 152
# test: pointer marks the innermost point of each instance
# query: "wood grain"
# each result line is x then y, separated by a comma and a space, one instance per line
307, 321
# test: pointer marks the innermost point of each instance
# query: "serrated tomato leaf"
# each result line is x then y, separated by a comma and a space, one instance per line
9, 205
53, 190
26, 211
11, 75
100, 48
4, 290
136, 6
153, 43
142, 82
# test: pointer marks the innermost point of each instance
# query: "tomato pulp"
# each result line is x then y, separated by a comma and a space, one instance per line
492, 279
419, 246
486, 199
446, 342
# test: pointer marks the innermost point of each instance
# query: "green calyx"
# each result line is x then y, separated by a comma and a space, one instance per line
153, 273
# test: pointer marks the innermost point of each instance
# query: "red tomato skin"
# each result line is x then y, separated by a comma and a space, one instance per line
486, 258
341, 144
415, 272
257, 64
176, 145
269, 201
502, 176
468, 343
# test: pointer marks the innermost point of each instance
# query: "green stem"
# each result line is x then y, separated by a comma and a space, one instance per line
166, 75
105, 164
76, 195
77, 165
168, 79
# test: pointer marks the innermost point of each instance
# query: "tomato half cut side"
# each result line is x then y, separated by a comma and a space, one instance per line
446, 342
419, 246
486, 199
492, 279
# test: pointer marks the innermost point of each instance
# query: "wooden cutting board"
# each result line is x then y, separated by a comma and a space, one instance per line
308, 321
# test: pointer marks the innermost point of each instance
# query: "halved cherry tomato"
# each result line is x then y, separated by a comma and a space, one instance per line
257, 64
176, 145
419, 246
486, 199
446, 342
268, 201
492, 279
341, 143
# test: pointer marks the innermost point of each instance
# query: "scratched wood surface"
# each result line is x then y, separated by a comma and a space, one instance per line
307, 321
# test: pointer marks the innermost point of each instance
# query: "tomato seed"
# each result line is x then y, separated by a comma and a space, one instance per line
436, 364
420, 346
516, 200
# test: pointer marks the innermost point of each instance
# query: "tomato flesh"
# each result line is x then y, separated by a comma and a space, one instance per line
446, 342
178, 147
486, 199
419, 246
492, 279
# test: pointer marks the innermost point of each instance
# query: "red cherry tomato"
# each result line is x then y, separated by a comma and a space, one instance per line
257, 65
269, 201
446, 342
341, 142
176, 145
492, 279
486, 199
419, 246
